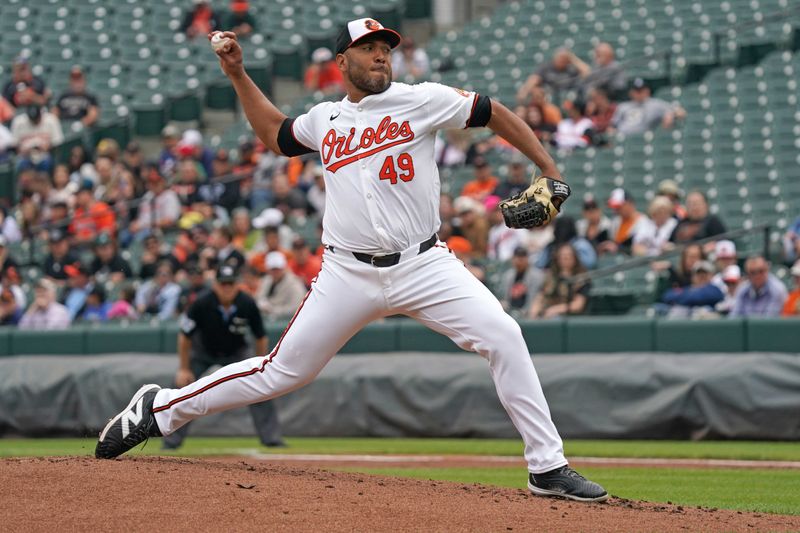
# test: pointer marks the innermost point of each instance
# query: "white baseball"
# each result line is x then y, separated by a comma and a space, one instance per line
218, 41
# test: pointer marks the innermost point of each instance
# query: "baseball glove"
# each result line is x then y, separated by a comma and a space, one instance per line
537, 205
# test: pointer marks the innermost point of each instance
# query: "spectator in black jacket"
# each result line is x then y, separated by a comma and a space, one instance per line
60, 256
200, 20
699, 223
107, 264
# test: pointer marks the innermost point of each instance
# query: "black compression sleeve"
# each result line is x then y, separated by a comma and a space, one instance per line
288, 144
481, 113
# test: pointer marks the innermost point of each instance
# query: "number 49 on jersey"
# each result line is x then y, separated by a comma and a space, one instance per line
405, 165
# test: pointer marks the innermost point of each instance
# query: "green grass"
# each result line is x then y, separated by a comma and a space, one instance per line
775, 451
768, 491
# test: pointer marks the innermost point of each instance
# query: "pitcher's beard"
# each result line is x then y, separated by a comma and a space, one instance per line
369, 84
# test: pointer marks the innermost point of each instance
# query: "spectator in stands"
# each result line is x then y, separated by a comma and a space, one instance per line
654, 237
763, 294
107, 264
133, 159
606, 73
791, 306
538, 113
200, 20
681, 276
63, 190
626, 225
323, 74
730, 277
502, 240
187, 181
565, 232
6, 112
35, 132
303, 263
410, 64
564, 73
221, 190
96, 308
698, 298
226, 254
9, 228
601, 110
6, 143
239, 20
160, 207
484, 183
159, 296
699, 223
791, 242
575, 131
316, 194
287, 199
557, 298
123, 308
643, 112
244, 236
281, 291
91, 217
153, 255
7, 261
80, 166
462, 249
191, 147
670, 189
12, 298
521, 283
59, 257
593, 225
24, 89
724, 254
45, 312
168, 158
197, 285
271, 242
79, 285
472, 224
77, 104
518, 179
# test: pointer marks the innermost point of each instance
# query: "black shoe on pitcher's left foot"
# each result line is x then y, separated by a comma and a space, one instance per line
134, 425
564, 482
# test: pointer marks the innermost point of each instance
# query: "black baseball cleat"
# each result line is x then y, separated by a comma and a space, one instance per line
134, 425
564, 482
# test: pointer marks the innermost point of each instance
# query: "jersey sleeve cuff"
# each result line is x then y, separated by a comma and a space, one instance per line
288, 143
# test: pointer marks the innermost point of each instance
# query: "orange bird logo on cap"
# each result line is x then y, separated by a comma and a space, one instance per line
372, 25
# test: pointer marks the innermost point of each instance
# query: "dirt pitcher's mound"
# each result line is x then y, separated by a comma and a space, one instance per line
170, 494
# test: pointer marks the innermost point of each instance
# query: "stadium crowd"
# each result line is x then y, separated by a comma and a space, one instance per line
130, 238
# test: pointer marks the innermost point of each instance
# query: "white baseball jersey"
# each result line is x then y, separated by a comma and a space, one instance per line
381, 183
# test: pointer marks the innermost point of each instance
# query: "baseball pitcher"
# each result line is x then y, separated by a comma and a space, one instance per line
382, 256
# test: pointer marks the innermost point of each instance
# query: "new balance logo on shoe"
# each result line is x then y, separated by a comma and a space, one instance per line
132, 417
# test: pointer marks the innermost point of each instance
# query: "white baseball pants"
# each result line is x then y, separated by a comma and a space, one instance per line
434, 288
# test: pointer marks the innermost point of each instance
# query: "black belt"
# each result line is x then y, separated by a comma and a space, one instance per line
392, 259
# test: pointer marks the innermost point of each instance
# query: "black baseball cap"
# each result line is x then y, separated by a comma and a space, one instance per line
56, 235
355, 30
227, 274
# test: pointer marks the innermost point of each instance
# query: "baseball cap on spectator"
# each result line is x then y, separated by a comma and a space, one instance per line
170, 131
299, 243
227, 274
459, 245
238, 6
795, 270
192, 138
268, 217
703, 266
275, 260
76, 72
732, 273
86, 185
103, 239
321, 55
618, 197
638, 83
75, 270
520, 251
589, 202
355, 30
46, 284
725, 249
56, 235
669, 188
465, 204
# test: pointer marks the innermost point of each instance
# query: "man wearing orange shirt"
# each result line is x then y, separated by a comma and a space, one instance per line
303, 263
625, 225
91, 217
323, 74
792, 305
484, 183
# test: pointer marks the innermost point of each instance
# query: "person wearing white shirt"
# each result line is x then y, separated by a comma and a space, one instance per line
653, 238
